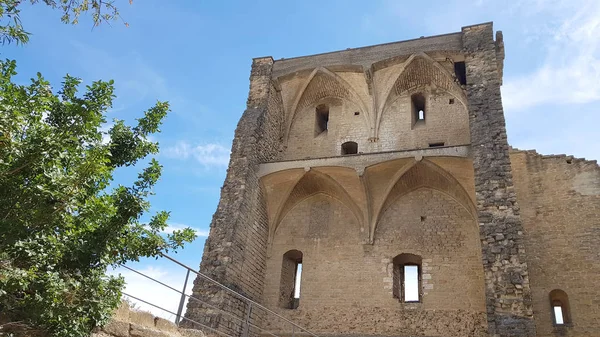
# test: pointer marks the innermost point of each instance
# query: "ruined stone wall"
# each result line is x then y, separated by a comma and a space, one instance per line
473, 237
560, 206
508, 293
346, 287
127, 322
235, 251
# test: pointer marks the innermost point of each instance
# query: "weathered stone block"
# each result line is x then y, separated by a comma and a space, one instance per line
117, 328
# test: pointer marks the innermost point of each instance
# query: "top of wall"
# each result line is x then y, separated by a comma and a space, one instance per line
366, 56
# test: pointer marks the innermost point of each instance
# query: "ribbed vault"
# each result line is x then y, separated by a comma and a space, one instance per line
423, 174
314, 182
420, 72
323, 84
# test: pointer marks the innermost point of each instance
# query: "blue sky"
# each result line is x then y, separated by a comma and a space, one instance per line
197, 55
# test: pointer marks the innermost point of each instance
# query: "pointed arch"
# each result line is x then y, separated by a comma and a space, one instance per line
312, 183
423, 174
420, 71
321, 84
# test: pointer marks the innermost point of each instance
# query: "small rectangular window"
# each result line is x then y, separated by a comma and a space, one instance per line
440, 144
558, 315
411, 283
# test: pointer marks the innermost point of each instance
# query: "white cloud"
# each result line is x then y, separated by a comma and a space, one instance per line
176, 226
153, 292
570, 72
209, 155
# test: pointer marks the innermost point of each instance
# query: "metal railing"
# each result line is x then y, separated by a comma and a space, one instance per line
246, 323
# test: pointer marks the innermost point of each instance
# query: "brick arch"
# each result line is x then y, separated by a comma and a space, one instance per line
312, 183
422, 71
423, 174
323, 84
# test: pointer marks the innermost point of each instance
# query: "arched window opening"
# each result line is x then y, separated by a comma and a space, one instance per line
407, 278
349, 148
418, 108
321, 119
561, 311
291, 276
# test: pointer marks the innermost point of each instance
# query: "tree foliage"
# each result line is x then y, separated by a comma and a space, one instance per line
62, 223
12, 30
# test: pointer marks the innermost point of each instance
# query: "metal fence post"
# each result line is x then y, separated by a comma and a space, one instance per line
247, 322
182, 300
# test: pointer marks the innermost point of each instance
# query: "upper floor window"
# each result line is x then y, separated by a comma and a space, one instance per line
407, 278
561, 311
460, 70
418, 108
349, 148
321, 119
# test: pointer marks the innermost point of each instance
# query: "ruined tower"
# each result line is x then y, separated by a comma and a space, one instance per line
372, 191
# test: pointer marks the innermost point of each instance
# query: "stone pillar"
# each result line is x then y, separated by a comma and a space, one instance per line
508, 295
235, 251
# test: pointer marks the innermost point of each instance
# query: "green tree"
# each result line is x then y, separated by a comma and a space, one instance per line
11, 29
61, 223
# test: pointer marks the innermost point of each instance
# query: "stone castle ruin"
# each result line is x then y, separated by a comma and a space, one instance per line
372, 191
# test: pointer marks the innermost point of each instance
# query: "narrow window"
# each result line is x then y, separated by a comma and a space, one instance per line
291, 279
349, 148
558, 315
418, 108
460, 70
411, 283
407, 278
297, 285
451, 101
321, 119
561, 311
440, 144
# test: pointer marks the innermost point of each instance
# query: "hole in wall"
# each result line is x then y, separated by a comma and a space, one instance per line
423, 218
460, 70
356, 113
451, 101
439, 144
349, 148
570, 161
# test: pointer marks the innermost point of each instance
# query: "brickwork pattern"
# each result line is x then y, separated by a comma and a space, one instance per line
339, 272
346, 94
560, 202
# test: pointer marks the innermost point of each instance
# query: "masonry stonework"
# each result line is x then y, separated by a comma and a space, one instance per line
492, 232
